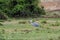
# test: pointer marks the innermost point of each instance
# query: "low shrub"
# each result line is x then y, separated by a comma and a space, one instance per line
22, 22
56, 24
1, 36
37, 29
1, 24
50, 39
59, 37
44, 21
3, 31
9, 20
15, 30
1, 20
26, 31
48, 28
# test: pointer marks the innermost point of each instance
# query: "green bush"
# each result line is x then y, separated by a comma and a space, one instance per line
21, 8
59, 37
56, 24
50, 39
3, 31
22, 22
1, 24
1, 20
44, 21
9, 20
1, 36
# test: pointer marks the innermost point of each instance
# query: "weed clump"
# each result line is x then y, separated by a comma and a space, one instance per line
15, 30
26, 31
1, 20
37, 29
3, 31
22, 22
44, 21
50, 39
56, 24
9, 20
1, 36
1, 24
59, 37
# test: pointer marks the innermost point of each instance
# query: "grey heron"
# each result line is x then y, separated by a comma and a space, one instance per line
34, 23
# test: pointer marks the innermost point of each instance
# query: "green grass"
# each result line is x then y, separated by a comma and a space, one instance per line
12, 30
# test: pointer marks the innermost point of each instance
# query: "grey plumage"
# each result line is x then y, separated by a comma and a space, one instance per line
35, 24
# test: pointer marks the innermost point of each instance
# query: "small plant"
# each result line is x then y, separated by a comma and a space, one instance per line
48, 28
37, 29
9, 20
26, 31
50, 39
49, 32
1, 24
15, 30
59, 37
44, 21
23, 22
1, 20
53, 24
3, 31
1, 36
56, 24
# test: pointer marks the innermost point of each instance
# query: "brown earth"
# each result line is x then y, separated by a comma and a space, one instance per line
51, 5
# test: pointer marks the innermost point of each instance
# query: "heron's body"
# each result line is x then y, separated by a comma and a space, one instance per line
35, 23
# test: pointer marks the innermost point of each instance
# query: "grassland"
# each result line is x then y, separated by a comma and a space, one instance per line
12, 30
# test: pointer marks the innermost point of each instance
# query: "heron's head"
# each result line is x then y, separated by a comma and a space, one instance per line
31, 21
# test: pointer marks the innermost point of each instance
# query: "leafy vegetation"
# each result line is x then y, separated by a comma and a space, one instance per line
20, 8
44, 21
1, 24
2, 35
